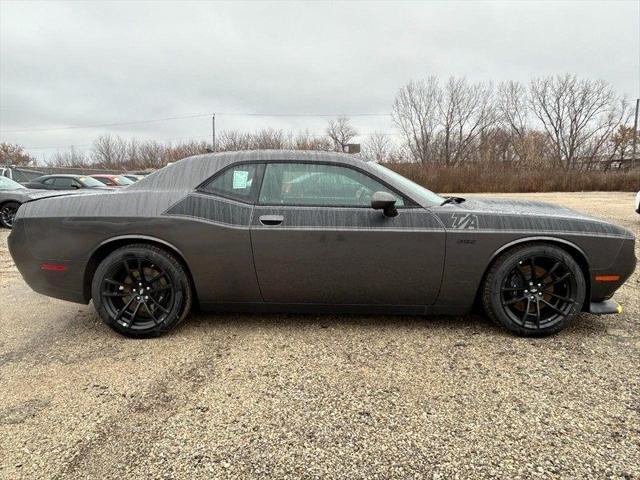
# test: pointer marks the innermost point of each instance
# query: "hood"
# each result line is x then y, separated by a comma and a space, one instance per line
521, 207
521, 215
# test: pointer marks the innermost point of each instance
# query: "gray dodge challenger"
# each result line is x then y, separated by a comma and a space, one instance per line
314, 232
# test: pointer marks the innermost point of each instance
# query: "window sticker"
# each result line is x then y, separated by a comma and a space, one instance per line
240, 179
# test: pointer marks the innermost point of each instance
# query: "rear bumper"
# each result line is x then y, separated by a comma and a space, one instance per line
65, 285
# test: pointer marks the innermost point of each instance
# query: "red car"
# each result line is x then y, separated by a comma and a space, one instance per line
113, 180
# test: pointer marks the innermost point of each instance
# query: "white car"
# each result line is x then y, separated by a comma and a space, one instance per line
638, 202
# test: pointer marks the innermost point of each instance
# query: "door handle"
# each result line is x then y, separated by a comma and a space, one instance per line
271, 219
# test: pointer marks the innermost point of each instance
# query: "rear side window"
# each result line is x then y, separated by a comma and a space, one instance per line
239, 182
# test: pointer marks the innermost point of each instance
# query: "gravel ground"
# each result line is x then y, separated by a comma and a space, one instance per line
286, 396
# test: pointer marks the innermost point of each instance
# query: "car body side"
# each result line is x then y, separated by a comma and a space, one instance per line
443, 250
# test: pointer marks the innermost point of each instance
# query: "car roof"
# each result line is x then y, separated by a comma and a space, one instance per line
54, 175
191, 171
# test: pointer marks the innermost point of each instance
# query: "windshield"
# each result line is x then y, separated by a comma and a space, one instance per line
412, 188
90, 182
8, 184
122, 180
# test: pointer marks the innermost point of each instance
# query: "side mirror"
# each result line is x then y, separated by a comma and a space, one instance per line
386, 202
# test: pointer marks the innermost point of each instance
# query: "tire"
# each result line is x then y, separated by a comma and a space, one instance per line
7, 214
141, 291
536, 297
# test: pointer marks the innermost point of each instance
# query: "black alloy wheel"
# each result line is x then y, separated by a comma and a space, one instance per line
534, 290
141, 291
8, 214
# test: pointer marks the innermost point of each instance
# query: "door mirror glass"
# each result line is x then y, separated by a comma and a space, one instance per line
386, 202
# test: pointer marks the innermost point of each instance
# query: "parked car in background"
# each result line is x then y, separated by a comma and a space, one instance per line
113, 180
241, 231
64, 182
12, 195
638, 202
19, 174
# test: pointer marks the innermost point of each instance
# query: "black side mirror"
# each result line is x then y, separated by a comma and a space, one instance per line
386, 202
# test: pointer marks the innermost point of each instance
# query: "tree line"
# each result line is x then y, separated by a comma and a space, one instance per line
552, 122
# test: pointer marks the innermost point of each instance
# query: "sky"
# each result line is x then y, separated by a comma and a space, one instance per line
100, 65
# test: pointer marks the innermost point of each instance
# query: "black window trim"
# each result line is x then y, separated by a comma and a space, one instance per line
409, 203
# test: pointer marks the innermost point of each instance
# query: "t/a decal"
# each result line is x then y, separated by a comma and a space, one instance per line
465, 221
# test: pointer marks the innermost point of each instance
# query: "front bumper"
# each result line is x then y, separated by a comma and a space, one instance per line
605, 307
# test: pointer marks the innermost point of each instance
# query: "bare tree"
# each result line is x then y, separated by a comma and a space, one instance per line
307, 141
70, 158
578, 116
109, 151
513, 108
268, 139
466, 111
340, 132
415, 113
379, 147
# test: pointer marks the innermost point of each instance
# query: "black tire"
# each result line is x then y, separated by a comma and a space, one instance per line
535, 289
7, 214
141, 291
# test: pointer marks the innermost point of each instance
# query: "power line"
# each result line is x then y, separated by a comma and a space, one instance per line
196, 115
230, 114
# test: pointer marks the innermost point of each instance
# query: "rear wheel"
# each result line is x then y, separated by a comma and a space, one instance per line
534, 289
141, 291
8, 213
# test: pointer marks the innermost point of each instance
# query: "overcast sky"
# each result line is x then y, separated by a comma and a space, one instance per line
88, 63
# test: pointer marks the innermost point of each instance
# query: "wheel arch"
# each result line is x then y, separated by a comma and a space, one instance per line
578, 254
106, 247
10, 200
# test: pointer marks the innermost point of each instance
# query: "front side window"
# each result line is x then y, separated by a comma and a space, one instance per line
319, 185
237, 182
65, 182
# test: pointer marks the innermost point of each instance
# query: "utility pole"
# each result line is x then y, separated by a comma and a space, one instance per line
635, 135
213, 130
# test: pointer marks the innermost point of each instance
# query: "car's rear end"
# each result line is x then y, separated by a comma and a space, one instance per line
47, 249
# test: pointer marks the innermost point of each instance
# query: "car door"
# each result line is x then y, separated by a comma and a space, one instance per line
66, 183
49, 184
317, 240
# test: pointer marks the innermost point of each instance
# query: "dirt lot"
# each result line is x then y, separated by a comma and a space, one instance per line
304, 396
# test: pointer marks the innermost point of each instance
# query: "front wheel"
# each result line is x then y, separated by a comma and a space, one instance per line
141, 291
8, 213
534, 289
